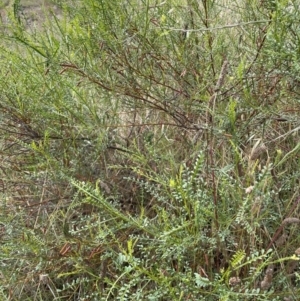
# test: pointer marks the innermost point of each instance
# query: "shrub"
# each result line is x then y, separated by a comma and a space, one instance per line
150, 152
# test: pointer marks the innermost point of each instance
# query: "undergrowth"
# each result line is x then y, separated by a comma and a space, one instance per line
150, 151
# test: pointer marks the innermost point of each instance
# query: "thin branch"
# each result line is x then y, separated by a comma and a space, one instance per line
217, 27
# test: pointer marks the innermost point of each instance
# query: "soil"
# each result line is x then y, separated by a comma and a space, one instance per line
32, 12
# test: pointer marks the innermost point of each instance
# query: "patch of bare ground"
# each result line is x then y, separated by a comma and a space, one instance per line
31, 12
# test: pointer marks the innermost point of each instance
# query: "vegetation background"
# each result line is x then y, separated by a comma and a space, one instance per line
149, 150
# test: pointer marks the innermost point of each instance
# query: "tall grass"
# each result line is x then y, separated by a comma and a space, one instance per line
150, 151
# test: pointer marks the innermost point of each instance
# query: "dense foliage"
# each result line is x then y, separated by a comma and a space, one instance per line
150, 150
